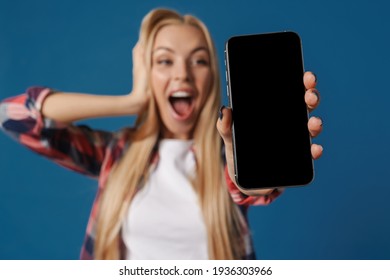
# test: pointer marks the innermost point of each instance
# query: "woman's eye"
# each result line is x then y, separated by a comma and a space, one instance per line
201, 61
164, 61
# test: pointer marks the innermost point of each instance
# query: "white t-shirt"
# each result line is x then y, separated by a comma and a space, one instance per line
164, 220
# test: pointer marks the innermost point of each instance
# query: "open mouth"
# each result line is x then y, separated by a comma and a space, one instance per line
181, 102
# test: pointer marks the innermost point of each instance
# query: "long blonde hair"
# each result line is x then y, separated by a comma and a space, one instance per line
221, 216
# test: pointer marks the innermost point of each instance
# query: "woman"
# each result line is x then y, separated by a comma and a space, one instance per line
164, 187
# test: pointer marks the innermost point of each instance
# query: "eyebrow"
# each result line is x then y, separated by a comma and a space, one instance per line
172, 51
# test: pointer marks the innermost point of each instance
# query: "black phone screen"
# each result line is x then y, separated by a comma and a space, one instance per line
271, 141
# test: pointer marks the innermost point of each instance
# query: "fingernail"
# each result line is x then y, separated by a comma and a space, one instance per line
315, 92
320, 120
220, 112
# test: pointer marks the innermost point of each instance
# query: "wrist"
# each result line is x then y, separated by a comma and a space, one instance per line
131, 104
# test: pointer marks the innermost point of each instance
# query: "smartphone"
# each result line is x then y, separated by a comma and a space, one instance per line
271, 140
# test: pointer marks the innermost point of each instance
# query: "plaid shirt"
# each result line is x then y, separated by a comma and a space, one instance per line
87, 151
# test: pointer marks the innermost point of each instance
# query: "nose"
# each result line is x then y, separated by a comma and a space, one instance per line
182, 71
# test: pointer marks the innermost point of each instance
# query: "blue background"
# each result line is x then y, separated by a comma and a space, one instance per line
85, 46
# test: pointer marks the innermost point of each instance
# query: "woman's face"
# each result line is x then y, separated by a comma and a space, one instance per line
181, 78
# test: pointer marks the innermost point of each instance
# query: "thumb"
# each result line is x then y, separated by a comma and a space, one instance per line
224, 124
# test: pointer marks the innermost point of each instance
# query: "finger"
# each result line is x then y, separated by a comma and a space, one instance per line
312, 99
136, 48
138, 52
224, 124
315, 126
309, 79
316, 151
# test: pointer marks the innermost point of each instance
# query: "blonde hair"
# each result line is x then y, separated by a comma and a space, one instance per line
222, 218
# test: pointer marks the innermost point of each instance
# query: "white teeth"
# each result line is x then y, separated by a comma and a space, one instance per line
180, 94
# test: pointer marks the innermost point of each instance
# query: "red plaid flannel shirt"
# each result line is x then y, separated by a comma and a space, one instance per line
87, 151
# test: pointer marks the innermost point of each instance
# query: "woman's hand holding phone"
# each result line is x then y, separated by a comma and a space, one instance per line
312, 100
270, 96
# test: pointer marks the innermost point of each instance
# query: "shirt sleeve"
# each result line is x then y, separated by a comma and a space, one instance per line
246, 200
76, 147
